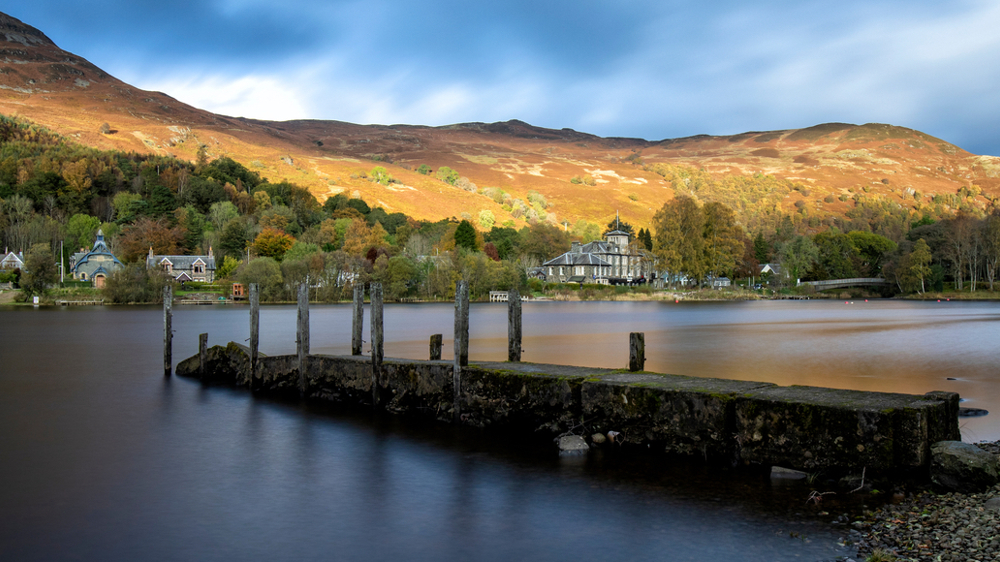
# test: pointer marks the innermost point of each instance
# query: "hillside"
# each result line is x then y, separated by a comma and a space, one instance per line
813, 174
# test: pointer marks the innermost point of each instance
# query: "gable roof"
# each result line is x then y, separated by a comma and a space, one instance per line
11, 261
181, 262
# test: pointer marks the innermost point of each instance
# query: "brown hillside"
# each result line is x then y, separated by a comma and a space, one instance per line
830, 162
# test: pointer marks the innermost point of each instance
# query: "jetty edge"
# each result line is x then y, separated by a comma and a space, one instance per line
724, 421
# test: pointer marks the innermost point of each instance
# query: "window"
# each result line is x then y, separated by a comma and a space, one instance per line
199, 269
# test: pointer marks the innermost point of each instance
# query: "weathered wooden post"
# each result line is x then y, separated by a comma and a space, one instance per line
302, 334
636, 351
358, 319
254, 331
461, 342
513, 325
377, 351
436, 345
168, 333
202, 354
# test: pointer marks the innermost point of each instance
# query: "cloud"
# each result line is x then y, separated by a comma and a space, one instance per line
633, 68
261, 97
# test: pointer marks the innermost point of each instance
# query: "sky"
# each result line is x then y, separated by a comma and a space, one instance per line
614, 68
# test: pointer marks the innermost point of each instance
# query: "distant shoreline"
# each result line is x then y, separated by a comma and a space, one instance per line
7, 298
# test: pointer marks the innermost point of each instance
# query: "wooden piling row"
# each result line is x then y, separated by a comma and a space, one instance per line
637, 346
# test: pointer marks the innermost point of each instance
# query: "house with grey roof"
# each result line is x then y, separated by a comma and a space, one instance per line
94, 265
184, 268
612, 261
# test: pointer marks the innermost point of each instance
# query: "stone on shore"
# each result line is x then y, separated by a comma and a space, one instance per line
962, 467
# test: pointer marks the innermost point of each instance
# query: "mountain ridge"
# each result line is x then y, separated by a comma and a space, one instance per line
827, 169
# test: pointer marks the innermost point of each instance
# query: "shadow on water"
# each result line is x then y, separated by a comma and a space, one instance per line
616, 494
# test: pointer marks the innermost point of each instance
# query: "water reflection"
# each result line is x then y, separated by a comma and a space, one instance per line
103, 458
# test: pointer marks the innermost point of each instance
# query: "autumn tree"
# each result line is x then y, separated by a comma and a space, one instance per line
272, 243
136, 240
723, 238
491, 251
359, 238
542, 241
679, 241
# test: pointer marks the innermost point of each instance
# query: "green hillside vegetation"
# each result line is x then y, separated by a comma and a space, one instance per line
53, 190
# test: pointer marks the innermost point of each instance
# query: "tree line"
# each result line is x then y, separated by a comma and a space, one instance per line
275, 234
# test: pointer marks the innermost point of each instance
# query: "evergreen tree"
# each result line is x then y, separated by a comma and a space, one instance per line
465, 236
761, 249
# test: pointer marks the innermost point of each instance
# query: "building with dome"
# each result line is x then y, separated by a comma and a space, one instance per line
96, 264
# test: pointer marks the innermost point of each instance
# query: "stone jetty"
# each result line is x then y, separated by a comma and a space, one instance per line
723, 421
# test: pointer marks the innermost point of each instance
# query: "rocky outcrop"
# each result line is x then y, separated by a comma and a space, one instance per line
962, 467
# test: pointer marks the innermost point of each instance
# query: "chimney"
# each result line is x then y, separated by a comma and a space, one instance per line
575, 247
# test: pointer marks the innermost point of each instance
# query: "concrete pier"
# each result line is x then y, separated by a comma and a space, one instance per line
729, 422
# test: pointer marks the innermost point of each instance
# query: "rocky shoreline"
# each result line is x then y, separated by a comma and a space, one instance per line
926, 525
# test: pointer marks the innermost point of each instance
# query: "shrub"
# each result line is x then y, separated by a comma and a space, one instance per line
447, 175
381, 176
136, 284
266, 273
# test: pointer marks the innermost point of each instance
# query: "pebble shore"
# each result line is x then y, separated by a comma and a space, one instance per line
929, 526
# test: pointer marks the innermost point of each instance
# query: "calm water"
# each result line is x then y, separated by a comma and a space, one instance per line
103, 459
